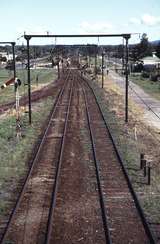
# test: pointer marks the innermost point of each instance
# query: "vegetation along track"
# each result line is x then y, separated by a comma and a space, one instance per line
91, 200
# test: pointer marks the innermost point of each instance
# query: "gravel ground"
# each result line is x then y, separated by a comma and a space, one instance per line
141, 98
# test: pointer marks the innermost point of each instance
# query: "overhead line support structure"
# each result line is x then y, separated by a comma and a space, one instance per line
103, 54
76, 36
126, 75
125, 36
29, 80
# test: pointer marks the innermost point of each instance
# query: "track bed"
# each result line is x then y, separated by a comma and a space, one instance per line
76, 191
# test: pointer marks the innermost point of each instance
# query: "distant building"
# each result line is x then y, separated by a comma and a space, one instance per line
3, 54
151, 62
8, 56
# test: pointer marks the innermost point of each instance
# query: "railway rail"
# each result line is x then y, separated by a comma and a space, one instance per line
77, 190
118, 189
31, 207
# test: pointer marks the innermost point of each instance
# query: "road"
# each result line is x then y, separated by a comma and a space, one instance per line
150, 105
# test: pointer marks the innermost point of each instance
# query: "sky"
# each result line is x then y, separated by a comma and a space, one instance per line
79, 17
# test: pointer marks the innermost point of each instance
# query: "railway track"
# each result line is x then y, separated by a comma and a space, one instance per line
77, 190
126, 220
29, 218
76, 212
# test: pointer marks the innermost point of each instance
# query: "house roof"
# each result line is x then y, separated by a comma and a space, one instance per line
151, 60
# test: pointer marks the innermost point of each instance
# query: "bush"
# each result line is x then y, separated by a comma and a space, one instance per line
145, 74
89, 71
97, 70
3, 59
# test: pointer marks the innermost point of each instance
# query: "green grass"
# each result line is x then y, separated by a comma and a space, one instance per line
14, 152
5, 74
151, 87
8, 95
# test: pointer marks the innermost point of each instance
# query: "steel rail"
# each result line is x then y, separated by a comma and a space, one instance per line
134, 195
101, 198
34, 160
48, 235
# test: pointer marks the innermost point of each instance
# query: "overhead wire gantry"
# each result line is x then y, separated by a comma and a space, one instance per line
126, 37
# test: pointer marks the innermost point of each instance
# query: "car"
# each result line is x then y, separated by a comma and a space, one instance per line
155, 77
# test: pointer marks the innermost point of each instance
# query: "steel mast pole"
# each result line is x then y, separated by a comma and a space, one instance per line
14, 59
29, 81
95, 61
103, 69
127, 83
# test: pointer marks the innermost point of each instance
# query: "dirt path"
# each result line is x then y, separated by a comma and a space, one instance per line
44, 92
150, 105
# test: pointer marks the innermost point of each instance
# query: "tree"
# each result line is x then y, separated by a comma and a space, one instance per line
120, 51
3, 59
90, 49
158, 50
134, 53
144, 48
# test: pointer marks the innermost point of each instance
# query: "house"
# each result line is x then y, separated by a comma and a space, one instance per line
151, 62
7, 55
3, 54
